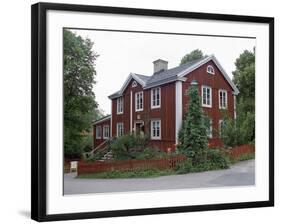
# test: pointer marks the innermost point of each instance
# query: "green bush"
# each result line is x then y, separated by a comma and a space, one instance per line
95, 157
239, 131
184, 167
150, 153
127, 146
217, 159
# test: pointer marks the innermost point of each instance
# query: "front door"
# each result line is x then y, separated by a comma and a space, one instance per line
139, 128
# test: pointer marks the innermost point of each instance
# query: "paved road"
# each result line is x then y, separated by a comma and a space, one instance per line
240, 174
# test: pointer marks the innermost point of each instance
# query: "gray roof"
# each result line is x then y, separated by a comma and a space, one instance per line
170, 75
144, 78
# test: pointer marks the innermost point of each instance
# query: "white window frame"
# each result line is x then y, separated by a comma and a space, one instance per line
120, 105
104, 131
136, 101
151, 129
220, 123
220, 103
210, 134
134, 84
152, 94
98, 132
210, 69
121, 124
202, 94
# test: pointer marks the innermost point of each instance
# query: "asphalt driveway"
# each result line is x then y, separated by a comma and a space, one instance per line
240, 174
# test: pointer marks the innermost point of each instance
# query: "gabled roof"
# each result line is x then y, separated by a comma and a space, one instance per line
141, 79
107, 117
171, 75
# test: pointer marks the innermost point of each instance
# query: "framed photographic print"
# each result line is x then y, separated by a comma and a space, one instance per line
140, 111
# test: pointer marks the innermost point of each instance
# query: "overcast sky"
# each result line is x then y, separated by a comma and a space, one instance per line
121, 53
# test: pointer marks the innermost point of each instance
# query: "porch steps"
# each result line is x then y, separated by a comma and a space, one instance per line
107, 156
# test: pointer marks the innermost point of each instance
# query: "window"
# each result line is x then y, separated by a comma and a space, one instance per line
206, 96
98, 132
155, 97
155, 129
139, 101
134, 84
210, 69
120, 105
221, 124
222, 99
120, 129
209, 130
105, 131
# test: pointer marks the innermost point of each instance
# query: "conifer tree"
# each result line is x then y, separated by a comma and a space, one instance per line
193, 137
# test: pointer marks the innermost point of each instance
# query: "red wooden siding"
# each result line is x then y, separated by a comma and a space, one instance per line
102, 124
216, 82
166, 113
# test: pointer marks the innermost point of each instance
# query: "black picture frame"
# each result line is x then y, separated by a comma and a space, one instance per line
39, 122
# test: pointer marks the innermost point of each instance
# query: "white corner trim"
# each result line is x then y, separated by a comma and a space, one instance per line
131, 112
111, 120
234, 106
178, 108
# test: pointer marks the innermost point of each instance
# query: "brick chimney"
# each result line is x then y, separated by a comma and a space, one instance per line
160, 65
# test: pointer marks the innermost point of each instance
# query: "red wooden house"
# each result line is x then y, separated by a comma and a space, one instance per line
155, 105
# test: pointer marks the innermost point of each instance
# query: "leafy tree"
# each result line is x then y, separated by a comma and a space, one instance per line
242, 130
244, 78
193, 55
80, 106
193, 137
239, 131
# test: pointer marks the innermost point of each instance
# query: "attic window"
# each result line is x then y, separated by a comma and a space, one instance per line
210, 69
134, 84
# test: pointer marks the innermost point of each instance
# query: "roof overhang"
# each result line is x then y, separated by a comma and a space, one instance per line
165, 81
178, 77
126, 83
101, 119
204, 61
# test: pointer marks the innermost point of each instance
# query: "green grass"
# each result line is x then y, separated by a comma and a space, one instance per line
146, 173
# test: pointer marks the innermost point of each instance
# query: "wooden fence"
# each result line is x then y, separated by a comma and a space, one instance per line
240, 150
125, 165
163, 163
